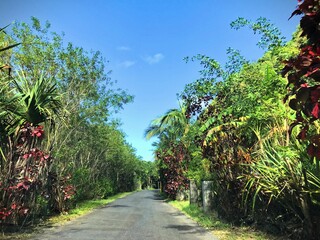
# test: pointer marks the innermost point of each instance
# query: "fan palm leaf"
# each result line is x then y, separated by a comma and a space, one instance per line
29, 100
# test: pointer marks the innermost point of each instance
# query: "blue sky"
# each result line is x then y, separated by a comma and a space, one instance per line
145, 42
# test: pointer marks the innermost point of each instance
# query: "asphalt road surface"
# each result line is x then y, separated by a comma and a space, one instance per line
139, 216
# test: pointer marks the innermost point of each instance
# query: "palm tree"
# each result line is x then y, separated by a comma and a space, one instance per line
173, 125
172, 148
29, 101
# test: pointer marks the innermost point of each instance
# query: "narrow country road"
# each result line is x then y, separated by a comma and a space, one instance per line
139, 216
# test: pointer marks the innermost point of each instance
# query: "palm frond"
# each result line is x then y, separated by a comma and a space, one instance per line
29, 100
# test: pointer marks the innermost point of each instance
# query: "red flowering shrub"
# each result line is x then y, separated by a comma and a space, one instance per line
27, 178
172, 170
303, 74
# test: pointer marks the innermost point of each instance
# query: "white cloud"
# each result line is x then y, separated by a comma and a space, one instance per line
154, 59
123, 48
127, 64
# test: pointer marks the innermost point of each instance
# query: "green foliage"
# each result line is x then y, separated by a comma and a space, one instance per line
271, 36
235, 61
174, 124
147, 174
25, 176
197, 94
239, 135
89, 157
33, 101
220, 229
173, 130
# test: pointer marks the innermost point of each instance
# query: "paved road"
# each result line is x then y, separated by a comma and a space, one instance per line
139, 216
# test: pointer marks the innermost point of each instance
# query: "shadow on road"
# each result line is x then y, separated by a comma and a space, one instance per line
117, 206
176, 214
181, 227
187, 229
156, 195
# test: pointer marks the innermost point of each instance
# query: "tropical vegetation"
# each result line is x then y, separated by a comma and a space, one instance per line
59, 142
250, 127
234, 129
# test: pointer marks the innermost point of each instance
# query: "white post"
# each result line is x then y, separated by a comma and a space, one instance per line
193, 192
207, 195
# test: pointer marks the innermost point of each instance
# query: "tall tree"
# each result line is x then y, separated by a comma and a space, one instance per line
172, 150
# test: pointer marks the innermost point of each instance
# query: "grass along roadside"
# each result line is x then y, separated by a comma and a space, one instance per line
85, 207
81, 209
223, 231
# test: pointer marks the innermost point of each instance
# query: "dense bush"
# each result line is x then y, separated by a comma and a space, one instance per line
58, 142
238, 132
